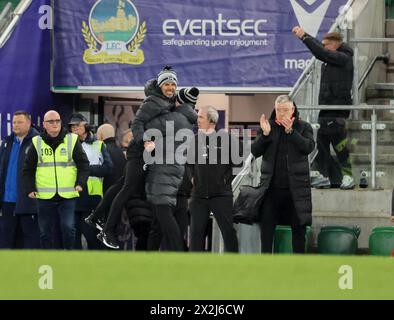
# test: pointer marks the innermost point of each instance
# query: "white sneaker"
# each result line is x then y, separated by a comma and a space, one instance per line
347, 182
314, 173
320, 182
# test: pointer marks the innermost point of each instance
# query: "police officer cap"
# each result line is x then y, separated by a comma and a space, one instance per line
77, 118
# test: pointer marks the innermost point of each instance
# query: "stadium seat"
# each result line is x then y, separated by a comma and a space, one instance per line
338, 240
381, 241
283, 239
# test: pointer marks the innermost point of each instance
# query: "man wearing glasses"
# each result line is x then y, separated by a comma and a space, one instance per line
55, 171
335, 89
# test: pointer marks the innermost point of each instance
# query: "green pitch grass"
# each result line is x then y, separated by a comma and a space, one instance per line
130, 275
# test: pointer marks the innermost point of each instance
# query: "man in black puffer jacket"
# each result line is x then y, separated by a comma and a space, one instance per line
166, 165
285, 142
335, 89
161, 184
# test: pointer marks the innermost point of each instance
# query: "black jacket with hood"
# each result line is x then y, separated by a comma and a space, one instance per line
119, 162
155, 104
336, 76
300, 144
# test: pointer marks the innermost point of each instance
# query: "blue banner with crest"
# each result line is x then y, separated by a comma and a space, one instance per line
222, 45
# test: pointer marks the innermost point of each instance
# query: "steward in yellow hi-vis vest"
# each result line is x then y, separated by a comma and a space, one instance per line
95, 156
55, 172
100, 165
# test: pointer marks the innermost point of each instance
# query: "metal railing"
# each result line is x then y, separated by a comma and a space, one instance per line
16, 15
385, 58
5, 16
357, 84
374, 121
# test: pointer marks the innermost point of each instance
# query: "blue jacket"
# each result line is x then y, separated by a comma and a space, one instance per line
24, 204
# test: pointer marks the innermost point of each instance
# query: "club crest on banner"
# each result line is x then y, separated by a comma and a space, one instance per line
113, 33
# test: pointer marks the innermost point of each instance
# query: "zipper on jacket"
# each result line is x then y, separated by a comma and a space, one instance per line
207, 185
288, 168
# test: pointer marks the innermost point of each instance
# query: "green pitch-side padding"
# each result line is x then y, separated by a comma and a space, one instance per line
283, 239
381, 241
338, 240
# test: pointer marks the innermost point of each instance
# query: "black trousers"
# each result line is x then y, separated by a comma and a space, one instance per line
11, 222
221, 207
332, 132
131, 184
141, 234
165, 219
278, 208
182, 219
90, 234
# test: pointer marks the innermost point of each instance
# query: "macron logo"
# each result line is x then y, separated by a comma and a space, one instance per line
310, 14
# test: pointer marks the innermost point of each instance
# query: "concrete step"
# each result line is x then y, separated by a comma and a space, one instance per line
356, 125
365, 158
357, 135
356, 202
364, 137
390, 28
390, 66
374, 93
384, 86
382, 182
366, 148
390, 74
378, 101
360, 151
362, 207
362, 162
382, 115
